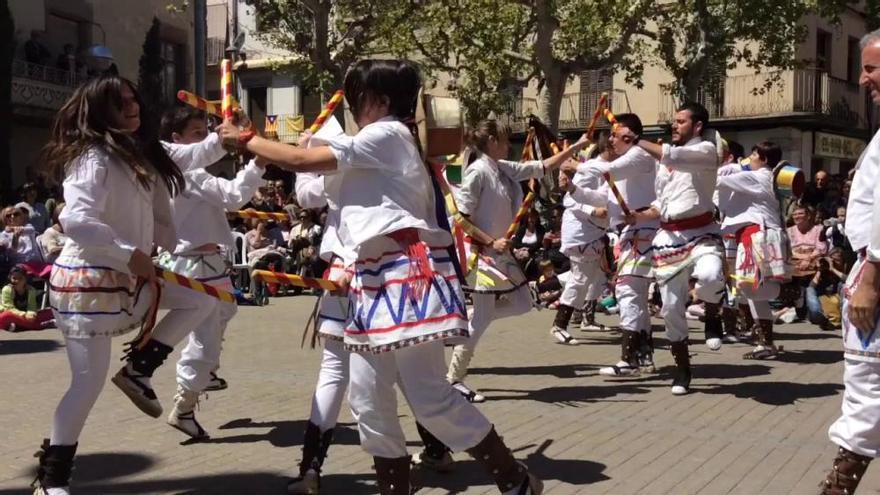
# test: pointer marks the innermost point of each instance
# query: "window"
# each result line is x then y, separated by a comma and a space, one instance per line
823, 50
853, 61
593, 84
173, 75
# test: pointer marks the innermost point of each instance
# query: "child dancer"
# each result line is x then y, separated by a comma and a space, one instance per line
117, 187
404, 292
200, 221
489, 198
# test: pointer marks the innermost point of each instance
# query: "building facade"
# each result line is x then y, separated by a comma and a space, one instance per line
60, 42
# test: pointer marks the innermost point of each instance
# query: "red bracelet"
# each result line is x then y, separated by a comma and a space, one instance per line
244, 138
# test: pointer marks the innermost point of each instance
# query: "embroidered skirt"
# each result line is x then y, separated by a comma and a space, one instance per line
636, 252
91, 300
391, 308
761, 255
333, 310
676, 250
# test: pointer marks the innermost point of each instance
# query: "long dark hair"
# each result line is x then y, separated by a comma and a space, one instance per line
478, 136
396, 80
86, 121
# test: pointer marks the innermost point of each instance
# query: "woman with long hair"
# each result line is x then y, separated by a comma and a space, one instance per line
118, 180
403, 286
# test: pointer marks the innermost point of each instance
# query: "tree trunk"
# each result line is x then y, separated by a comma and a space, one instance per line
6, 52
550, 97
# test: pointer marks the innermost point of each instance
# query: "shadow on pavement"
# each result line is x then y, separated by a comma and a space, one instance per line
819, 335
561, 371
725, 371
570, 396
775, 393
468, 473
27, 346
256, 482
280, 434
812, 356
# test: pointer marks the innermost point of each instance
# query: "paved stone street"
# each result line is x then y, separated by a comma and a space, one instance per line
749, 427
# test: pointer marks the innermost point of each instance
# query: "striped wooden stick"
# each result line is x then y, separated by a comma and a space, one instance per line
521, 214
616, 192
288, 279
226, 105
611, 118
335, 100
202, 104
262, 215
195, 285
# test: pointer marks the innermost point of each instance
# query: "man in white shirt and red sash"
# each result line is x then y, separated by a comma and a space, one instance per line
688, 243
856, 432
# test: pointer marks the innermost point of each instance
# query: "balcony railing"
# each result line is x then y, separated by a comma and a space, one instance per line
215, 50
575, 111
794, 92
41, 87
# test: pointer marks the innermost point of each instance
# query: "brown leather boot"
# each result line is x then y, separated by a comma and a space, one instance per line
846, 473
508, 473
393, 475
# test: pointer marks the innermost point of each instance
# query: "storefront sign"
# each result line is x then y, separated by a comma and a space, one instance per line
834, 146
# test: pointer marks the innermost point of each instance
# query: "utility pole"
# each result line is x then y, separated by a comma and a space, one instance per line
200, 25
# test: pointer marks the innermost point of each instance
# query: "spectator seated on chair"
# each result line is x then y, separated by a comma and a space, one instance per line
52, 240
18, 305
549, 286
826, 287
20, 240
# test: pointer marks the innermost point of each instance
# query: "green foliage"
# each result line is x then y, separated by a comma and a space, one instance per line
150, 71
872, 14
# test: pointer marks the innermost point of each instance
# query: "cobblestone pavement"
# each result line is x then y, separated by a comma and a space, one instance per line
749, 427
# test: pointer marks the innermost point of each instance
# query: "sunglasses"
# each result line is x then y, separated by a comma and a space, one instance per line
13, 214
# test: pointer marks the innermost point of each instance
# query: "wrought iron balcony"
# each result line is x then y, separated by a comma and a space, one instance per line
574, 114
792, 93
41, 87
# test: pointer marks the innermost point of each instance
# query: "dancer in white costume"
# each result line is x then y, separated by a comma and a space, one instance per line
204, 239
855, 432
489, 197
584, 240
404, 287
118, 182
753, 218
688, 243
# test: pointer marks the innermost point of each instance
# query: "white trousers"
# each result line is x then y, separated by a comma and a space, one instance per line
201, 355
331, 386
487, 307
585, 280
436, 405
758, 299
89, 362
708, 271
632, 298
856, 429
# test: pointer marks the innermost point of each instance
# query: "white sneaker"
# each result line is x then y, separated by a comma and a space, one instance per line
788, 315
731, 339
679, 390
613, 310
563, 336
713, 344
52, 491
443, 465
622, 368
470, 395
310, 484
592, 327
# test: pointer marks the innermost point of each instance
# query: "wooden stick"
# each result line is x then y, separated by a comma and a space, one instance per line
289, 279
195, 285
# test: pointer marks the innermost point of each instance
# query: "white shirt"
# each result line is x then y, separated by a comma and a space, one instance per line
634, 174
384, 185
200, 210
750, 198
863, 208
579, 226
490, 192
26, 249
109, 214
686, 180
316, 191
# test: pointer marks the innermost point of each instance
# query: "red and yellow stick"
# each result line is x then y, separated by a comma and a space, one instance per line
600, 107
202, 104
521, 214
226, 104
262, 215
288, 279
616, 192
611, 118
195, 285
335, 100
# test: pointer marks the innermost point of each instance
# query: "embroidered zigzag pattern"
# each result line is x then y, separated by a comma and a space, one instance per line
397, 309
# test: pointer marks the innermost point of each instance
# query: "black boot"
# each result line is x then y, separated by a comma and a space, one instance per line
393, 475
747, 323
646, 351
729, 321
563, 316
507, 472
134, 378
315, 445
56, 464
589, 323
712, 327
630, 347
682, 381
436, 455
845, 474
